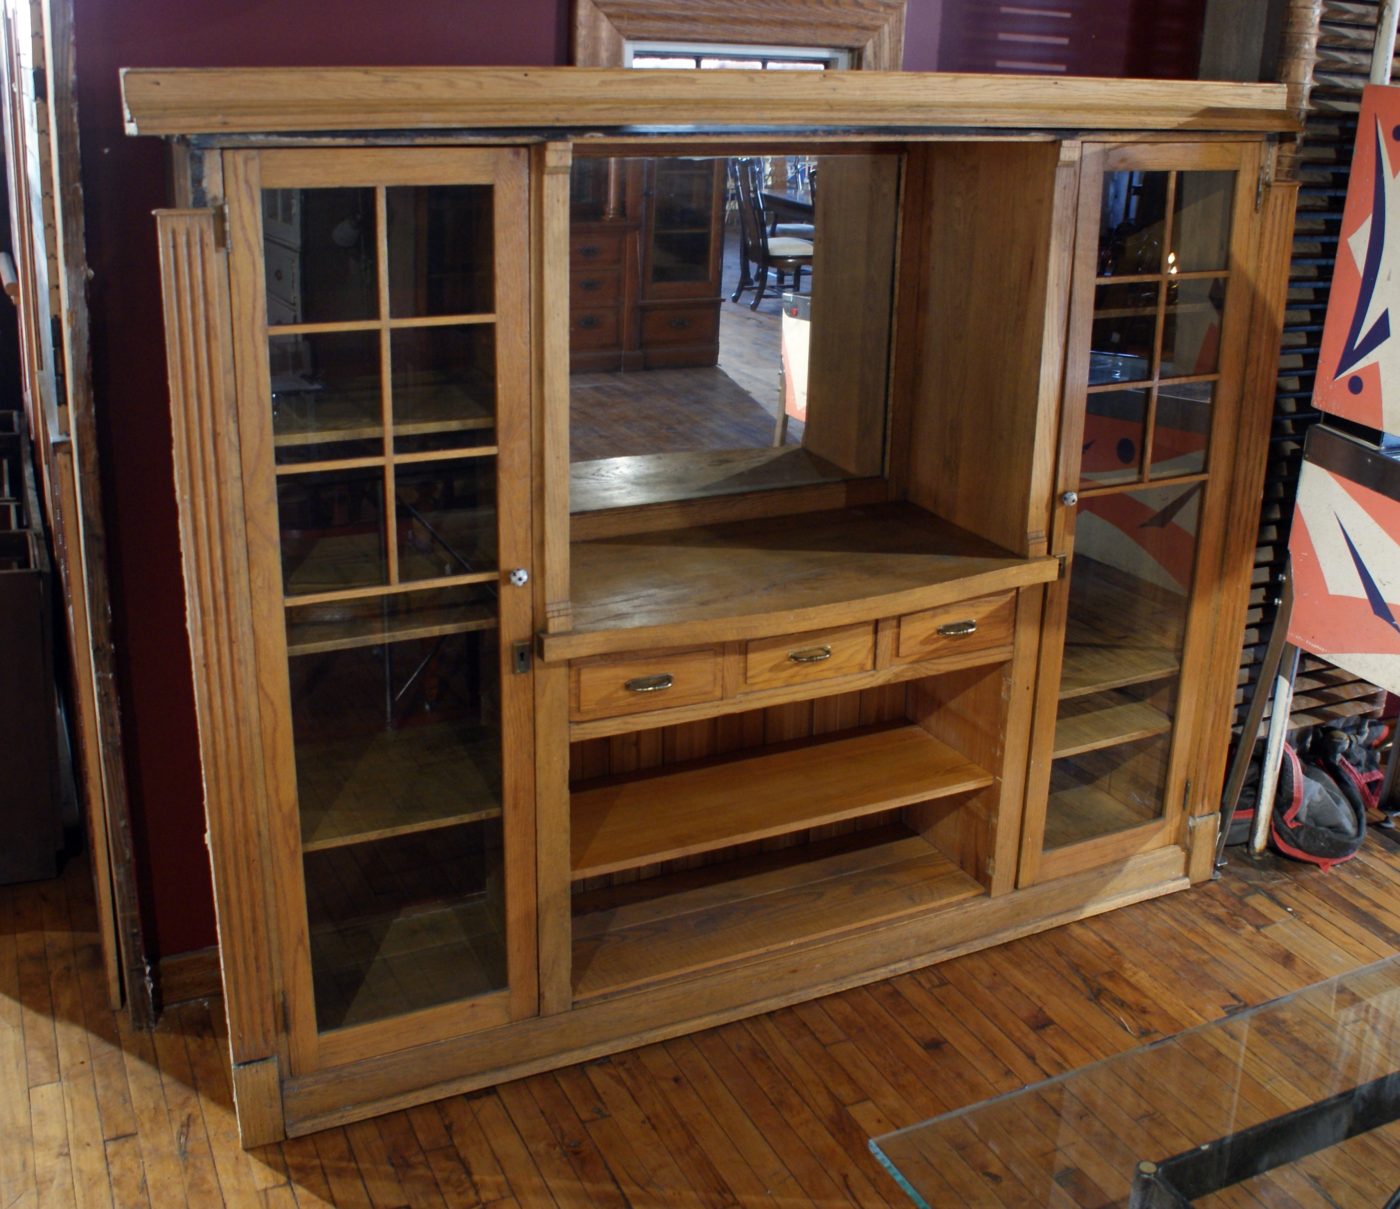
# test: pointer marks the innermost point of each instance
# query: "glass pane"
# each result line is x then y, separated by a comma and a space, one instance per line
396, 736
1133, 223
683, 205
1113, 431
1182, 431
326, 396
1134, 555
1191, 331
1251, 1086
405, 924
441, 258
1125, 328
1106, 790
1201, 221
332, 526
446, 516
444, 382
319, 248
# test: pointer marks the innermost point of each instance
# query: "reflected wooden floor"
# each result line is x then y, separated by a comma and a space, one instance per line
775, 1110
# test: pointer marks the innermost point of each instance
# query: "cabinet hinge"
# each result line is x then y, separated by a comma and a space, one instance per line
1265, 181
1063, 560
41, 85
221, 226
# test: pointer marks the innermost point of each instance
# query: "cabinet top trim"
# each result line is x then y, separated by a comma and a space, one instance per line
280, 100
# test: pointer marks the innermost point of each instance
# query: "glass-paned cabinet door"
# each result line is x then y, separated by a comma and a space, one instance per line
382, 379
685, 205
1152, 382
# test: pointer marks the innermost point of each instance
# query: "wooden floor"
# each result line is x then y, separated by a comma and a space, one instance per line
776, 1110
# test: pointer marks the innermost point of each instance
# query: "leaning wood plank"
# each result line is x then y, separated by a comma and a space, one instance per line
164, 101
639, 822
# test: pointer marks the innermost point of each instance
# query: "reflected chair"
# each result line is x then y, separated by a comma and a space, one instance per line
757, 248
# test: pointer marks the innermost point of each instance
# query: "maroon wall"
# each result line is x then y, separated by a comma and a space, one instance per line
125, 179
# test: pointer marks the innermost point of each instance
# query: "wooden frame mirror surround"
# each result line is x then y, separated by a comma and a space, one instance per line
872, 30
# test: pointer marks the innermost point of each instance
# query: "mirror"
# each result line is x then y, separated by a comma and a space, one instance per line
730, 322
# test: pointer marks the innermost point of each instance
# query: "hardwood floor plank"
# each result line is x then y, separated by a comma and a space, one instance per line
567, 1157
40, 1040
454, 1182
165, 1179
126, 1173
343, 1176
698, 1120
372, 1158
702, 1167
242, 1174
471, 1146
750, 1098
184, 1111
714, 1093
822, 1120
963, 1081
409, 1162
987, 992
17, 1180
305, 1174
644, 1175
523, 1179
53, 1173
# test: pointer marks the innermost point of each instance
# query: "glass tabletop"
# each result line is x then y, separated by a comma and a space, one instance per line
1291, 1103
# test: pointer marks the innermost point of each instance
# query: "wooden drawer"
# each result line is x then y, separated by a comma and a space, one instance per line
632, 684
593, 328
587, 249
968, 625
680, 325
815, 655
590, 287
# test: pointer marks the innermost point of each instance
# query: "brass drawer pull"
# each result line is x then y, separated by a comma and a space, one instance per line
810, 654
958, 629
650, 684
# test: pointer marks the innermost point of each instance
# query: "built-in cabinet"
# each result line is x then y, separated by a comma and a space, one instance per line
495, 783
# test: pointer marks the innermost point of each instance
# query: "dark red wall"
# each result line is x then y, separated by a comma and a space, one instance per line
125, 179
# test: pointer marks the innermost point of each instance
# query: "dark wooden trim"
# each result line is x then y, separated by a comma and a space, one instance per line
183, 977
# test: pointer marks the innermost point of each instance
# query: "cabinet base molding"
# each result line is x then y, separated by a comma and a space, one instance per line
401, 1080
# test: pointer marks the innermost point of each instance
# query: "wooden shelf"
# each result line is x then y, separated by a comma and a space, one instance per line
1094, 664
416, 778
1109, 643
698, 808
640, 933
358, 417
1106, 720
315, 629
776, 575
1084, 812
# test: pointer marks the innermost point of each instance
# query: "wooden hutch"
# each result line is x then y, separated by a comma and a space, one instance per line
496, 782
